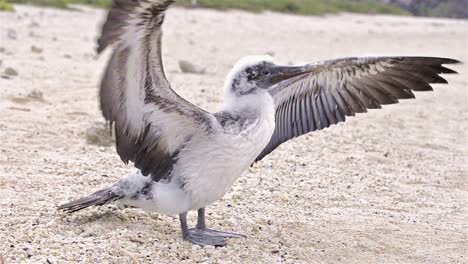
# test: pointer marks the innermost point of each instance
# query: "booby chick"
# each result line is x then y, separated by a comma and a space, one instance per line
188, 158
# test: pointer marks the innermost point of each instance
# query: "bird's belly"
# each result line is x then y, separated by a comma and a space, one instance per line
209, 172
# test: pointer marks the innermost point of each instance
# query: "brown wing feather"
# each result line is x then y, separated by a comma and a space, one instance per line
152, 122
339, 88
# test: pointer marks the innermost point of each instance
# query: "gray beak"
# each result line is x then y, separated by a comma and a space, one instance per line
282, 73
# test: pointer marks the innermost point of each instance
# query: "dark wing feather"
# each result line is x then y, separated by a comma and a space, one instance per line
339, 88
152, 123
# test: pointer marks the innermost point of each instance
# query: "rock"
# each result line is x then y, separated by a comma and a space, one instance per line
32, 34
188, 67
10, 72
271, 53
34, 24
1, 62
67, 56
36, 95
11, 34
2, 49
36, 49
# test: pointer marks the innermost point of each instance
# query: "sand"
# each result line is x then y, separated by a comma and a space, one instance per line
389, 186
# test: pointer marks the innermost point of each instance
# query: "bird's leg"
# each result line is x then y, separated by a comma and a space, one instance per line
200, 235
201, 218
183, 225
201, 225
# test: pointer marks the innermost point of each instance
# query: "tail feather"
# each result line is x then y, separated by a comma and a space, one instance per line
100, 197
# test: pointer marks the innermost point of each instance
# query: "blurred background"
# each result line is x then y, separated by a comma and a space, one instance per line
433, 8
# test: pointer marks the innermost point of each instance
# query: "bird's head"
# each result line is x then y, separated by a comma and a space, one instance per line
255, 74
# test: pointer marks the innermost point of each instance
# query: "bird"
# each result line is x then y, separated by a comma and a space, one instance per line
187, 158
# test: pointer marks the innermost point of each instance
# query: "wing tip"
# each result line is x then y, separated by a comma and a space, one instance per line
120, 11
451, 61
440, 61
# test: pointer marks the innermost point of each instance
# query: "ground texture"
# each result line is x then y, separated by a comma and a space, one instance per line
387, 186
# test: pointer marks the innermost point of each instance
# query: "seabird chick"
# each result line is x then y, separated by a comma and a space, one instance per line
188, 158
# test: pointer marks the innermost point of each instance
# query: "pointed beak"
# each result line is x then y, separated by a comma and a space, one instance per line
282, 73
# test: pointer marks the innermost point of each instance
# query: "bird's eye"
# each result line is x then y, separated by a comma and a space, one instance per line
266, 72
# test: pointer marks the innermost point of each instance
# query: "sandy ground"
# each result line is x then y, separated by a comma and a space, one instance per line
389, 186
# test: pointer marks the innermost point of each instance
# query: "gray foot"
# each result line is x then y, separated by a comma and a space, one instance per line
209, 237
212, 232
201, 235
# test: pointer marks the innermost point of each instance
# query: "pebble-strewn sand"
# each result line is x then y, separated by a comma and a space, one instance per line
389, 186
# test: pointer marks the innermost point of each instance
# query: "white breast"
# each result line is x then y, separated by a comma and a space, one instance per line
209, 166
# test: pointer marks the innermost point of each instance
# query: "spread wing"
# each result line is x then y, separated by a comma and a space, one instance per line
339, 88
152, 122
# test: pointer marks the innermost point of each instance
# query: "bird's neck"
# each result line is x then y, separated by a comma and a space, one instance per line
256, 105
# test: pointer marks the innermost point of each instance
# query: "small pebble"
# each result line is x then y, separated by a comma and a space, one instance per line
32, 34
36, 49
34, 24
11, 72
11, 34
36, 94
188, 67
